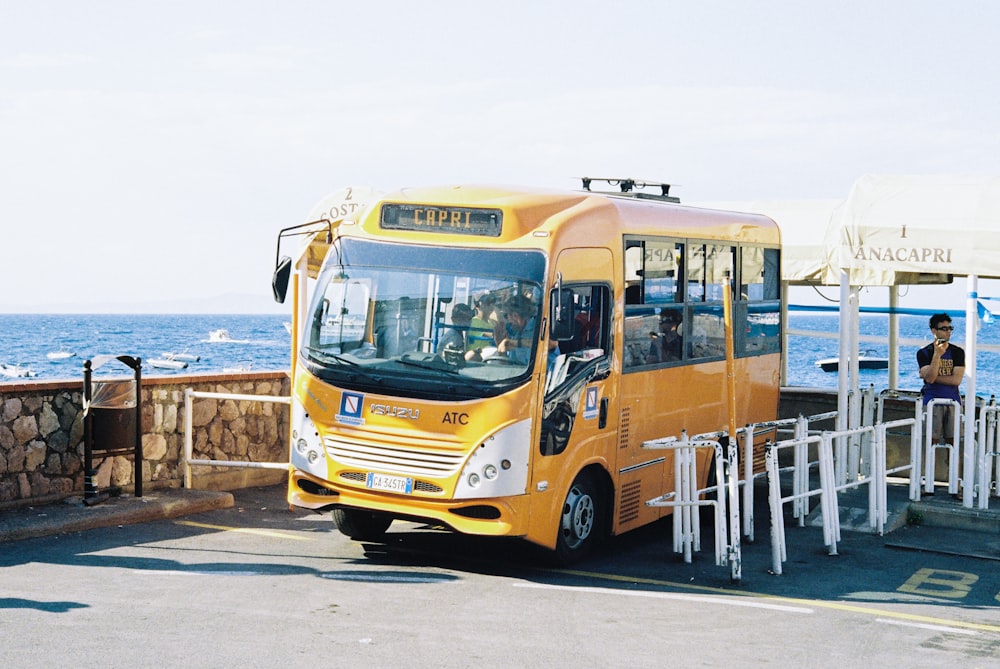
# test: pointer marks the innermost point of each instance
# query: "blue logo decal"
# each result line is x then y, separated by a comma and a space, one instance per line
590, 403
350, 409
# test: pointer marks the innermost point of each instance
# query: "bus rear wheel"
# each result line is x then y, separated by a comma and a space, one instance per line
581, 523
361, 525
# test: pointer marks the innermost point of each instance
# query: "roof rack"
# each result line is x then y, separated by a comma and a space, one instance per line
629, 186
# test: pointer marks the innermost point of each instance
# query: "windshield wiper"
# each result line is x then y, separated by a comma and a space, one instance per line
327, 356
434, 365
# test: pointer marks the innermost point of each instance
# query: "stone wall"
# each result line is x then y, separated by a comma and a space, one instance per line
42, 449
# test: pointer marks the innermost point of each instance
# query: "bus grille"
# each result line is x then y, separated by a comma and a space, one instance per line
412, 461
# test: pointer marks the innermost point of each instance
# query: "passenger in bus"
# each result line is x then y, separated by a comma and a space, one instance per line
666, 345
454, 338
481, 329
516, 340
586, 334
519, 332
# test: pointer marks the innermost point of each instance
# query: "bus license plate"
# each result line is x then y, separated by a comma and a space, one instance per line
389, 483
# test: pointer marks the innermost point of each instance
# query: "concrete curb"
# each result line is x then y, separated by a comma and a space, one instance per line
73, 516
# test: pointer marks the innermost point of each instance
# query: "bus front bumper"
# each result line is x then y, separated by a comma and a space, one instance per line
486, 517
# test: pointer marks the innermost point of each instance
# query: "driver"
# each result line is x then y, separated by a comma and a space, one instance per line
453, 338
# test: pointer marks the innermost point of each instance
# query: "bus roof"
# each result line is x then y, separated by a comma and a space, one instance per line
578, 213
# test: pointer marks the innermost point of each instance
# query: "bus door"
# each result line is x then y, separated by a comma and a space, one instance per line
578, 425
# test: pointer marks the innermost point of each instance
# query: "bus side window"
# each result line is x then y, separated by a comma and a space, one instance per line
640, 330
706, 337
590, 338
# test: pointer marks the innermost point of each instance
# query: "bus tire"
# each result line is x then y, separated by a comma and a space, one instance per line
581, 522
361, 525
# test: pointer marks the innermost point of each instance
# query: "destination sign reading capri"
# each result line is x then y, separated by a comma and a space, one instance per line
453, 220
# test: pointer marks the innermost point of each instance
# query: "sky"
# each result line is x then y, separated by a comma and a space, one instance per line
150, 152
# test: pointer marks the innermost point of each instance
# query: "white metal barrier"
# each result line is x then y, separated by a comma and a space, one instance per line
981, 461
988, 455
830, 486
851, 447
748, 434
882, 473
930, 448
801, 465
686, 498
860, 479
189, 460
776, 501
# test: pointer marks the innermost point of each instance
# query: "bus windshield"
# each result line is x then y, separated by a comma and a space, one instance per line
423, 321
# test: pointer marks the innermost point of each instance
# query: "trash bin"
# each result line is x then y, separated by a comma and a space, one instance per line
112, 423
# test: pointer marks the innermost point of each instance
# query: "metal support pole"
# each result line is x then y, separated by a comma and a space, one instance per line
137, 474
89, 485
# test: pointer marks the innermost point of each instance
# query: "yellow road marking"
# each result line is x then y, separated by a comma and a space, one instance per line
837, 606
243, 530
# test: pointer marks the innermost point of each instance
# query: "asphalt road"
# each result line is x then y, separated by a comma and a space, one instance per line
258, 585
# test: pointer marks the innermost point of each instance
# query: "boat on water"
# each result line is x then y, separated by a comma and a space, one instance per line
235, 369
221, 334
61, 354
867, 360
185, 357
167, 362
17, 371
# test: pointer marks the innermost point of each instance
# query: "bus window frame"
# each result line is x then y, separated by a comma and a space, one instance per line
696, 307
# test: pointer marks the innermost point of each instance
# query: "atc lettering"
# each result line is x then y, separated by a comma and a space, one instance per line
455, 418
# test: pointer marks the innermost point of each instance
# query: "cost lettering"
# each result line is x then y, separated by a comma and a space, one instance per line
442, 218
343, 209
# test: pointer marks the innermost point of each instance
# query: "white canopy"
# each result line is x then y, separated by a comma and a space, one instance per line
894, 230
891, 230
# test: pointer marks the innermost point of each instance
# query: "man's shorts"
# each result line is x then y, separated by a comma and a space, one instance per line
943, 423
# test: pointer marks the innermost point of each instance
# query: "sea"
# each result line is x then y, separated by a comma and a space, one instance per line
262, 343
254, 343
914, 332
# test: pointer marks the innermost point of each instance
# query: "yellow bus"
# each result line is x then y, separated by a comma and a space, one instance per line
492, 359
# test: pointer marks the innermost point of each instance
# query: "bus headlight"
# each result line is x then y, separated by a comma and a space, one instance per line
499, 466
307, 454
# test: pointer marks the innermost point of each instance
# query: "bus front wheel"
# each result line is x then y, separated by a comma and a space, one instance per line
361, 525
581, 523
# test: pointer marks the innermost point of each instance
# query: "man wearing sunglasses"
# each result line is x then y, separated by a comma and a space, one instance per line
942, 365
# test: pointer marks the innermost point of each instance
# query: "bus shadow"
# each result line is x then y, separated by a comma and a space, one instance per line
866, 568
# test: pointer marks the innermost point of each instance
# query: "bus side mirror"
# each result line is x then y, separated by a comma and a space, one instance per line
563, 316
279, 282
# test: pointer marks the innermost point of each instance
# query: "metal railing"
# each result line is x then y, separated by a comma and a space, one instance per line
831, 484
189, 458
988, 455
686, 498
